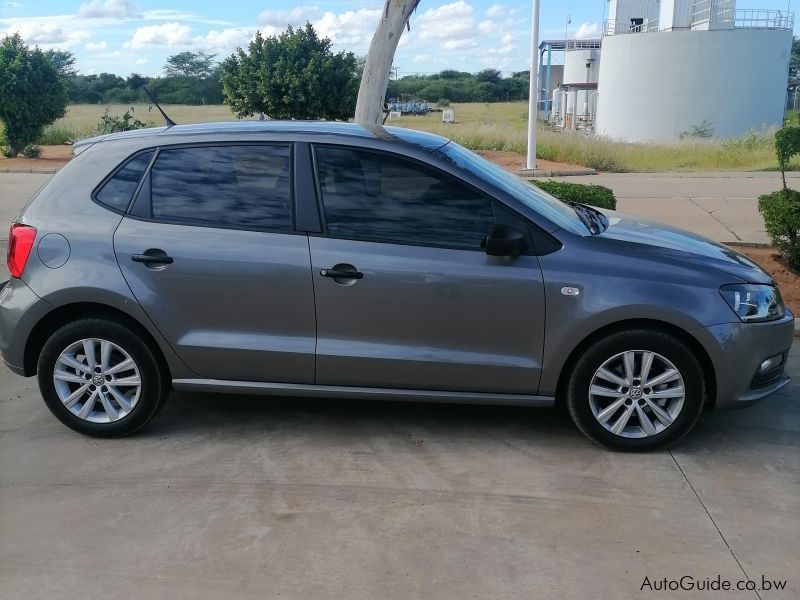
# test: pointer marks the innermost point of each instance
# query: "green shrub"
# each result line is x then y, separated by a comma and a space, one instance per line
443, 102
787, 144
593, 195
112, 124
32, 151
53, 135
781, 213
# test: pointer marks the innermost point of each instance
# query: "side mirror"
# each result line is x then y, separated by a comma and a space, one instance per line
504, 241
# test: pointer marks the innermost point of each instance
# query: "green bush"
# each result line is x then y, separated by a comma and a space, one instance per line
32, 151
787, 144
113, 124
781, 213
593, 195
443, 102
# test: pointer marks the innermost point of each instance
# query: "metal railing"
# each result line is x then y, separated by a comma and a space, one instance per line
614, 27
759, 18
713, 11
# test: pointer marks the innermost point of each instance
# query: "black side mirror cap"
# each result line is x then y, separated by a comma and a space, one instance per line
504, 241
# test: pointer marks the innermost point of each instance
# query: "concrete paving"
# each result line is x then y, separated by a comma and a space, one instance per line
240, 497
720, 206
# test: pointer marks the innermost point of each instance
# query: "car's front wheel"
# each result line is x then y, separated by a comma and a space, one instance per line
636, 390
99, 378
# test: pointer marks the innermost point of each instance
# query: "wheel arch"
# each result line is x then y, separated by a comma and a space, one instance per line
64, 314
707, 366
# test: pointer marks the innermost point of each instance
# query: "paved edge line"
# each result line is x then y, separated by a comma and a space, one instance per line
33, 171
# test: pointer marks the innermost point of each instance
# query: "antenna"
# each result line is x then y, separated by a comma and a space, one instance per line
170, 122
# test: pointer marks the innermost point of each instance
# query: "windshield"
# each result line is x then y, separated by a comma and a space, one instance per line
546, 205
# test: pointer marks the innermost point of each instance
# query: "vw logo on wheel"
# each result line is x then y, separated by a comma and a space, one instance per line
636, 393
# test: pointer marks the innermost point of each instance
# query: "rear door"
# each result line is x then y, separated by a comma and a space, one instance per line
210, 252
405, 296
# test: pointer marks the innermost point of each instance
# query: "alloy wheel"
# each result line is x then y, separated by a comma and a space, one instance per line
636, 394
97, 380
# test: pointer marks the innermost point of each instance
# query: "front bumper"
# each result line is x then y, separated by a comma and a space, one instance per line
737, 350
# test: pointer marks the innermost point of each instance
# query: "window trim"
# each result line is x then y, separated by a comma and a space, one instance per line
143, 200
425, 165
113, 173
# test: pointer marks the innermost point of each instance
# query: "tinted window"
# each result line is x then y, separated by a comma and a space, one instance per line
383, 198
233, 186
118, 191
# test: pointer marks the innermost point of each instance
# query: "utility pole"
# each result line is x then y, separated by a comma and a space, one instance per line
533, 94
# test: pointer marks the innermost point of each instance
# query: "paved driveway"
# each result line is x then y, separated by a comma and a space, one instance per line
226, 497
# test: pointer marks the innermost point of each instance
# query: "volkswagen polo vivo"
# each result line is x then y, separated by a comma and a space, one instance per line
334, 260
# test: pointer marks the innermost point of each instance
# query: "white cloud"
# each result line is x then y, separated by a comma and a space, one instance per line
95, 46
225, 41
495, 11
279, 19
507, 39
104, 9
114, 54
488, 27
453, 24
350, 28
179, 35
459, 44
169, 34
141, 60
587, 30
48, 34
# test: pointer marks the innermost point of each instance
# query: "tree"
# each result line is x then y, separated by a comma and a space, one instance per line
197, 65
136, 81
32, 93
375, 79
492, 76
292, 75
63, 61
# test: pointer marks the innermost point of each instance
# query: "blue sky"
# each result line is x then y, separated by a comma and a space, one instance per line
124, 36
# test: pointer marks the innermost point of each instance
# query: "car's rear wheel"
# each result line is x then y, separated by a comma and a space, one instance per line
99, 378
636, 390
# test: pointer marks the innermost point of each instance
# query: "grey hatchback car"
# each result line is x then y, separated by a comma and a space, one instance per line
334, 260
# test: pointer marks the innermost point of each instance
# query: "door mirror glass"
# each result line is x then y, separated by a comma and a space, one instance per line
504, 241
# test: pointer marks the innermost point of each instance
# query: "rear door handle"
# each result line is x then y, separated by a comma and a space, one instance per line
153, 256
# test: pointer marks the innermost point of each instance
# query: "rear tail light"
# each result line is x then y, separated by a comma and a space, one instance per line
20, 244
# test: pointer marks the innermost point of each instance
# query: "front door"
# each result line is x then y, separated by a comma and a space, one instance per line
213, 259
405, 296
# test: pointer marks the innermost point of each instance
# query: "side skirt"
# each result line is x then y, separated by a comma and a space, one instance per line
336, 391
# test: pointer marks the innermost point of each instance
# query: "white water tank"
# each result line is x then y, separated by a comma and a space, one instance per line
581, 66
654, 86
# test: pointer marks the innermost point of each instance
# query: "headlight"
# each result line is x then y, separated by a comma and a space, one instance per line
753, 302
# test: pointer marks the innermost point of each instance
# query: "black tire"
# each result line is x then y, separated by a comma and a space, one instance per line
668, 346
154, 381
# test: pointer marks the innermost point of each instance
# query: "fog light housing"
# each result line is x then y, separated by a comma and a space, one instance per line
770, 363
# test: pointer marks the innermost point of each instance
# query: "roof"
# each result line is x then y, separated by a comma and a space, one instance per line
423, 139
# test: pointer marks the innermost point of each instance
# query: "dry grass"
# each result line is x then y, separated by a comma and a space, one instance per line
503, 126
497, 126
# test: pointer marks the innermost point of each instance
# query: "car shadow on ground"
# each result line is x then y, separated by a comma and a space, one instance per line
774, 421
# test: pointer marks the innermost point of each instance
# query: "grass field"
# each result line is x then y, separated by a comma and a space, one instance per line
502, 126
497, 126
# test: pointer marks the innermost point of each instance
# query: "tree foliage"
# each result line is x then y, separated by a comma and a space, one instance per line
198, 65
457, 86
32, 93
787, 145
292, 75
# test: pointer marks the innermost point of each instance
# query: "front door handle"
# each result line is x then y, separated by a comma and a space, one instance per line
342, 272
153, 256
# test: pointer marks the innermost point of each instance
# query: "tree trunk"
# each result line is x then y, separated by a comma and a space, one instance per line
371, 92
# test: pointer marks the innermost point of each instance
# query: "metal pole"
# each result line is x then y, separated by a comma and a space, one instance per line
533, 93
